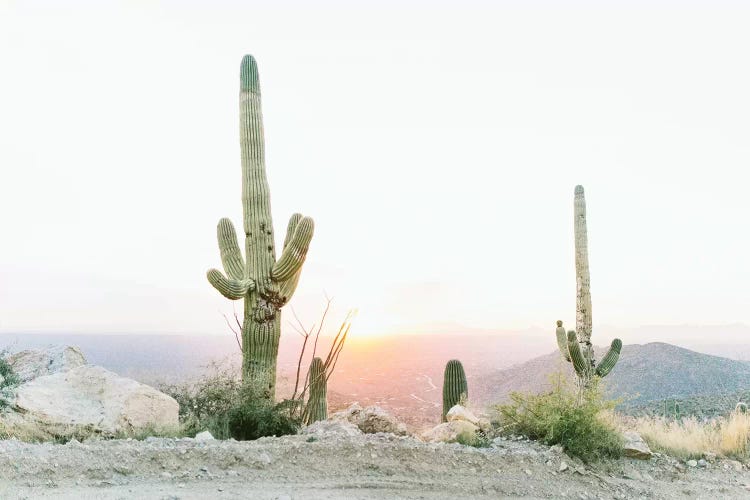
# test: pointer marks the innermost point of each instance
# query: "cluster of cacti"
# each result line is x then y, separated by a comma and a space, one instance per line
575, 346
317, 404
265, 284
455, 388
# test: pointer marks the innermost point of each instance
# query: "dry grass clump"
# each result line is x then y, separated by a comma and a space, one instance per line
690, 438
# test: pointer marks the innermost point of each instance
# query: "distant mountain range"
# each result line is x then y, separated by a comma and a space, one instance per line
644, 373
403, 373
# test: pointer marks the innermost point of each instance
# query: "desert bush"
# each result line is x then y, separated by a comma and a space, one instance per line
692, 438
557, 417
9, 377
253, 417
477, 439
220, 404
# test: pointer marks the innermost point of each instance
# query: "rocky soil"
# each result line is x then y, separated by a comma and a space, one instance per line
330, 464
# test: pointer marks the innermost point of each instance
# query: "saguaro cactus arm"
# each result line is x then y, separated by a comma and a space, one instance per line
580, 362
230, 288
562, 340
610, 359
295, 251
231, 257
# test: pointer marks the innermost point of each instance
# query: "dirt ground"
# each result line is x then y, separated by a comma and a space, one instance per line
338, 467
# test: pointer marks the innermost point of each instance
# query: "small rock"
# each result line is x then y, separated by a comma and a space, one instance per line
556, 449
692, 463
448, 432
528, 472
633, 474
498, 442
635, 446
166, 475
328, 428
370, 420
735, 465
563, 467
458, 412
702, 463
204, 436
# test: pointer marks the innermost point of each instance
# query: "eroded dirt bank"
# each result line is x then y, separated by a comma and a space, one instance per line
367, 466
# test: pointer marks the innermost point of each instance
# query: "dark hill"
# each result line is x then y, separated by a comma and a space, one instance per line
644, 373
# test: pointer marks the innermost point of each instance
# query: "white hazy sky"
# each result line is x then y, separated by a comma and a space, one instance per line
436, 145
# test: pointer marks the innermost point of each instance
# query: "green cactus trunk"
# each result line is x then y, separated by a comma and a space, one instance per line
455, 388
317, 403
265, 284
575, 346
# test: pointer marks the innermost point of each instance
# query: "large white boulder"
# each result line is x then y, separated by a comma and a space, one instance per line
96, 398
33, 363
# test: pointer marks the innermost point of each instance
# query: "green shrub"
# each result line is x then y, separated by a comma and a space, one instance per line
254, 417
9, 377
476, 439
219, 403
558, 417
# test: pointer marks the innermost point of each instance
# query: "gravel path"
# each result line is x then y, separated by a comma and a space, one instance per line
331, 466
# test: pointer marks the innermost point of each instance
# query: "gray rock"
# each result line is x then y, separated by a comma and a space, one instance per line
331, 428
734, 464
635, 446
692, 463
370, 420
33, 363
448, 432
563, 466
702, 463
458, 412
204, 436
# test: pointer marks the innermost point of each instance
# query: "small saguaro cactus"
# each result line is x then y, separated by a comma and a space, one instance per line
455, 388
575, 346
317, 404
265, 284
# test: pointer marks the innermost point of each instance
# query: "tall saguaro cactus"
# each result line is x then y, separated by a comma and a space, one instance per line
265, 284
455, 388
575, 346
